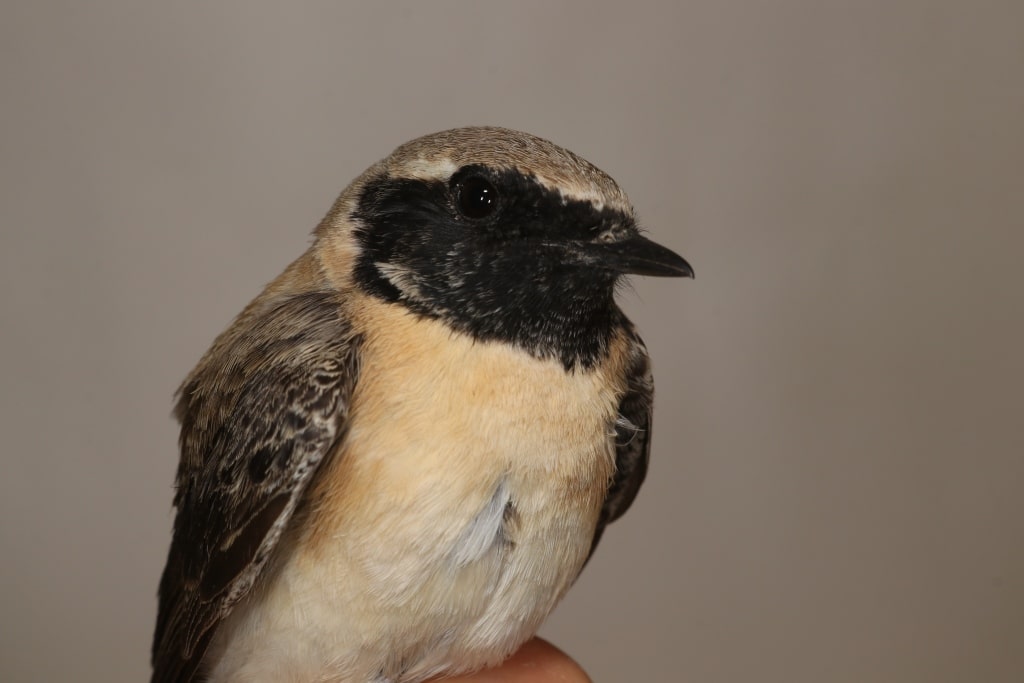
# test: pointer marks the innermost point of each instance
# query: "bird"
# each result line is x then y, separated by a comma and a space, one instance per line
399, 456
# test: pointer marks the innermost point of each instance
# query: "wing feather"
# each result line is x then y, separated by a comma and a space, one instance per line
632, 436
259, 415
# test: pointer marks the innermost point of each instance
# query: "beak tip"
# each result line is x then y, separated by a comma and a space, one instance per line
679, 267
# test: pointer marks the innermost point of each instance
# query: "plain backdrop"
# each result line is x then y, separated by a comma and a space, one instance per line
837, 485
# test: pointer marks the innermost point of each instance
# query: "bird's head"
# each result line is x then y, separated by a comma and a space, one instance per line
502, 235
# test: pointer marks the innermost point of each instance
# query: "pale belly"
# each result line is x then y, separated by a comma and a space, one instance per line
459, 512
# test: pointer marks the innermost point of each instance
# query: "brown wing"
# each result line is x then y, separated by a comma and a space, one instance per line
258, 416
632, 436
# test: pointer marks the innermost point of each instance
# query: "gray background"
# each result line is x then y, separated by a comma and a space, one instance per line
836, 491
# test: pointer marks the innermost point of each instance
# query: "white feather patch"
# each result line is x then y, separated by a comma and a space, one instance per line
482, 533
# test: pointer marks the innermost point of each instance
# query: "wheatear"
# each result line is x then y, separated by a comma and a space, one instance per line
400, 455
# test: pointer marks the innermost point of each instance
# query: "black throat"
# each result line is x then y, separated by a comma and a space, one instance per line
493, 279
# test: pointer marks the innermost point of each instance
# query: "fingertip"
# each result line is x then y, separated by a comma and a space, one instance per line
538, 661
547, 663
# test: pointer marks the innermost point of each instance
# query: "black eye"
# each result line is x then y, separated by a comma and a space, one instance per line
476, 197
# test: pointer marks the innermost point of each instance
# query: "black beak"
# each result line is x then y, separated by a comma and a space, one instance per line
635, 255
